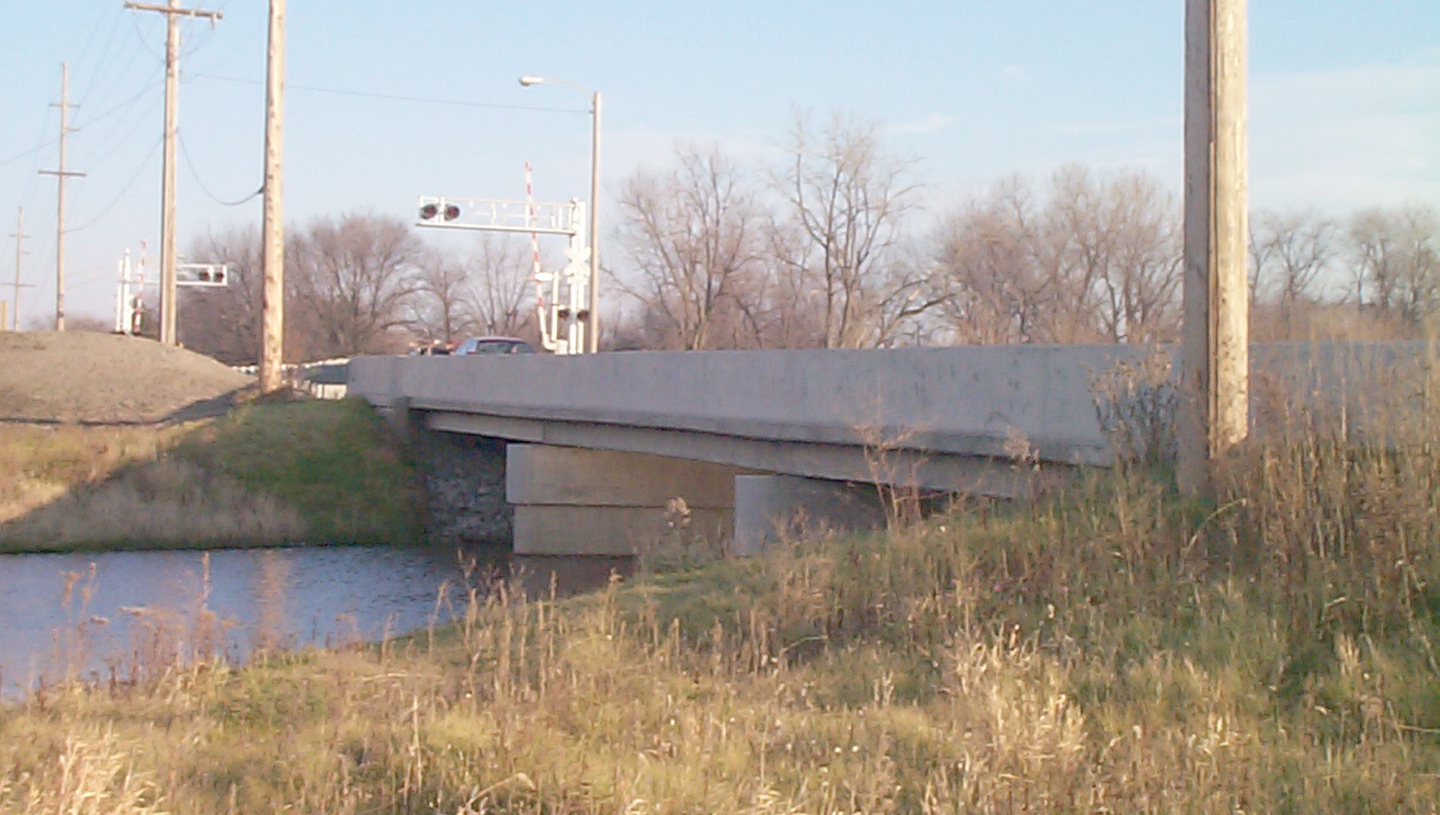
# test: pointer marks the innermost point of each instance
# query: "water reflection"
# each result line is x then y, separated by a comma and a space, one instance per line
114, 614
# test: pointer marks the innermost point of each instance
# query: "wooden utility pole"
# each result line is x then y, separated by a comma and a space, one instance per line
168, 302
272, 262
20, 253
1215, 355
60, 176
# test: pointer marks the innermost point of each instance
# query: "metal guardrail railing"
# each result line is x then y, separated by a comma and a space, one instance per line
323, 379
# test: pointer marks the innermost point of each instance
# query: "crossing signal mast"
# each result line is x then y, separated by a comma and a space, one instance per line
129, 298
562, 299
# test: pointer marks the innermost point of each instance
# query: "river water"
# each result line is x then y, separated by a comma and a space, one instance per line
107, 615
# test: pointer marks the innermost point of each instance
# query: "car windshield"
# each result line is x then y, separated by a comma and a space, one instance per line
499, 347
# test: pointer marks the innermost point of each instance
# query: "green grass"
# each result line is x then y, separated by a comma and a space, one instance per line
333, 462
267, 474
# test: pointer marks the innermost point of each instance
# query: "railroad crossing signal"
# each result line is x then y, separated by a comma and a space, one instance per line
562, 298
202, 274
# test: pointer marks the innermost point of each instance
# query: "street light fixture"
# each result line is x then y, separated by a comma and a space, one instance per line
592, 323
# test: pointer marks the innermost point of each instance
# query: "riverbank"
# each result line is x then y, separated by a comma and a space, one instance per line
1112, 649
264, 474
115, 442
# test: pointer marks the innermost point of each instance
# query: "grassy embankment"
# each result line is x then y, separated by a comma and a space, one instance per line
1111, 649
267, 474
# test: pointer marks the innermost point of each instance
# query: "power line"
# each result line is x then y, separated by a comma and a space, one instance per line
121, 134
108, 75
398, 97
98, 72
32, 151
135, 20
128, 184
243, 42
43, 143
122, 105
185, 151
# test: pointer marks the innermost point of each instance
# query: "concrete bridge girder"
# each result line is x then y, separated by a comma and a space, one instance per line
975, 475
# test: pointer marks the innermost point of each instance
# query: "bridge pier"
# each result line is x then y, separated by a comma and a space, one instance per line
576, 501
400, 417
771, 507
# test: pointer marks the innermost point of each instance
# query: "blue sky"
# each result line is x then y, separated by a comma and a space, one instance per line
1345, 102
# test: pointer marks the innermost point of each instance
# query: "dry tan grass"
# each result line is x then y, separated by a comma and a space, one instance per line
1098, 653
89, 772
164, 503
1111, 649
39, 463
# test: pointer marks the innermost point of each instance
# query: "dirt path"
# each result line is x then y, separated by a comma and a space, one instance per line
83, 377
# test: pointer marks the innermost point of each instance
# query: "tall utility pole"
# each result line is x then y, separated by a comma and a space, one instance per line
1215, 354
172, 13
272, 260
60, 176
20, 253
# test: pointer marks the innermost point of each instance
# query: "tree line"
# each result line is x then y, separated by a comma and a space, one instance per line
831, 247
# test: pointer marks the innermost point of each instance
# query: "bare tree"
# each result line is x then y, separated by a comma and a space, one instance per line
692, 236
1396, 261
438, 310
1076, 245
1097, 260
497, 292
847, 201
1143, 273
224, 322
1288, 254
992, 289
353, 278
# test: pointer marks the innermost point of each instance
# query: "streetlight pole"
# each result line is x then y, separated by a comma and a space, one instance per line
592, 326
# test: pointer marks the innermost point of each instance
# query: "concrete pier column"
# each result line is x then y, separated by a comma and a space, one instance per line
399, 416
769, 506
573, 501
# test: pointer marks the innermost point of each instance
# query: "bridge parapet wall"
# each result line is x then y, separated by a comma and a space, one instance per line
970, 401
966, 400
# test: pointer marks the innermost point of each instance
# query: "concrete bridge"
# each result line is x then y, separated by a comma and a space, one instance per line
602, 444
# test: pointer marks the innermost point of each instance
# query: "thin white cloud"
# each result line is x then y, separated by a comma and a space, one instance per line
630, 149
1117, 127
1015, 73
1347, 138
929, 123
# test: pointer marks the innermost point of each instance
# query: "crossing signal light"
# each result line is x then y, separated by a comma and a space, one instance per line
429, 211
218, 278
203, 275
451, 212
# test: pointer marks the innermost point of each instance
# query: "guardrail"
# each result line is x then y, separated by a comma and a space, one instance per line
322, 379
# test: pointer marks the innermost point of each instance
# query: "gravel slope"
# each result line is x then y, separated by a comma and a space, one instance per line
90, 378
